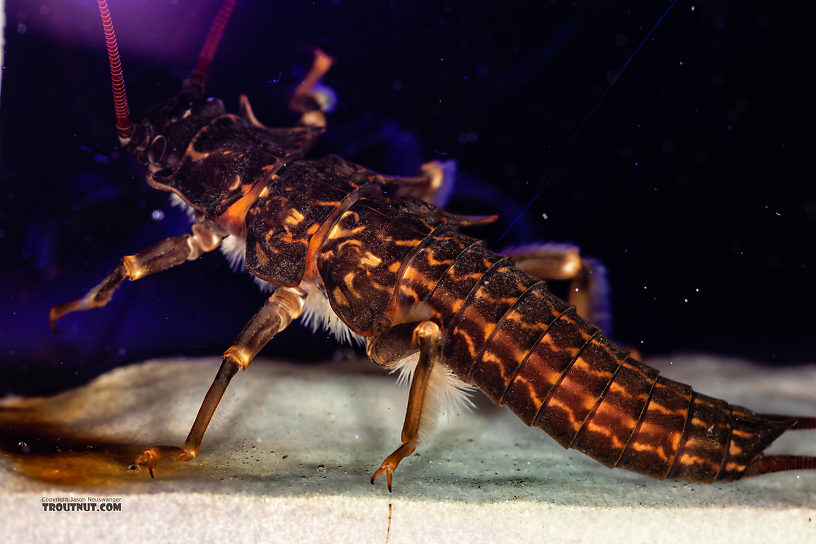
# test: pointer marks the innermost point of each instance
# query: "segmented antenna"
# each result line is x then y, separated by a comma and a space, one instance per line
205, 58
120, 105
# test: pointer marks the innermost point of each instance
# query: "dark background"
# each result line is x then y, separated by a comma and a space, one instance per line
692, 179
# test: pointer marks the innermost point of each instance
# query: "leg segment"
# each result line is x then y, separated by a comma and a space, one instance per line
588, 290
434, 184
283, 306
309, 101
428, 338
166, 254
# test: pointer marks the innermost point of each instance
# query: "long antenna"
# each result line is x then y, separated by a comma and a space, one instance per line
120, 104
199, 74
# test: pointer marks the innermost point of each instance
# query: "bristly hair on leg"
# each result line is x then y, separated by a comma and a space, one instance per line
447, 394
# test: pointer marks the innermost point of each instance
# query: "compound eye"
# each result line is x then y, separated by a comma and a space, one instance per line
142, 134
158, 147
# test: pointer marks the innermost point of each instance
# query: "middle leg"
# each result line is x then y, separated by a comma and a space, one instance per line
285, 304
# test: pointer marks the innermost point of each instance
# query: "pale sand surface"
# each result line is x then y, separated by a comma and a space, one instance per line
289, 455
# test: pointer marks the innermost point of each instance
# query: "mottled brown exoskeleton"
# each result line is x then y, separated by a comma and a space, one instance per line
371, 257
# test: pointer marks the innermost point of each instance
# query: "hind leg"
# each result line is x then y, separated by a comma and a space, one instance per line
427, 338
589, 288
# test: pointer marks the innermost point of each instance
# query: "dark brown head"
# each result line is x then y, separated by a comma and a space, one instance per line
166, 130
160, 139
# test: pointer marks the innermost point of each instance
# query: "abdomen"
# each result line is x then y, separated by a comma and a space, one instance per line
528, 350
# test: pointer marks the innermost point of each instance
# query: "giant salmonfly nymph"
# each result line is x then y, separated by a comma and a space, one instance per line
372, 257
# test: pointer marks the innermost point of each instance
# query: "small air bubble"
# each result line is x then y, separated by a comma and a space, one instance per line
157, 215
545, 216
22, 29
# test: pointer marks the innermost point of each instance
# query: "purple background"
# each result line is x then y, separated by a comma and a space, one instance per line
692, 180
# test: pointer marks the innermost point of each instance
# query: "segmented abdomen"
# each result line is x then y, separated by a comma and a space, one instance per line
528, 350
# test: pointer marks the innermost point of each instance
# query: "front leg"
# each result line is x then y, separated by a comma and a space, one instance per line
427, 336
285, 304
166, 254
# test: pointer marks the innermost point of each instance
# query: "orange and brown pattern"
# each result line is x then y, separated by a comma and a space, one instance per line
226, 158
528, 350
386, 261
362, 256
289, 212
395, 268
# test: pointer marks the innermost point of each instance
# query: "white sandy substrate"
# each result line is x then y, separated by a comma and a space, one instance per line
290, 452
